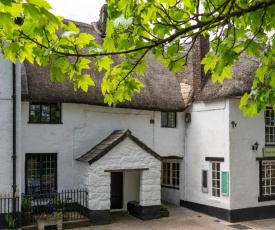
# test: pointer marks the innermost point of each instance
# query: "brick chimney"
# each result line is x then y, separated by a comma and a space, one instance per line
200, 49
101, 24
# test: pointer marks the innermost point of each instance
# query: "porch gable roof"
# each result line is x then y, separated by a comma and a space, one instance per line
110, 142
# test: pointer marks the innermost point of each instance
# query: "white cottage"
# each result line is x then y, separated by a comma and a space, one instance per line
71, 139
181, 140
229, 167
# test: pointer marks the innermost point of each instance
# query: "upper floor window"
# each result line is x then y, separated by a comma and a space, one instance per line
269, 126
168, 119
171, 174
45, 112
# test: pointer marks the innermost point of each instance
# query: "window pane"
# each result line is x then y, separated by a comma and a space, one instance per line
35, 113
164, 118
45, 113
171, 119
55, 113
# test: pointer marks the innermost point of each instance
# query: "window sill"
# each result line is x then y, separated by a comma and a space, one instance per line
265, 198
215, 199
168, 127
166, 186
47, 123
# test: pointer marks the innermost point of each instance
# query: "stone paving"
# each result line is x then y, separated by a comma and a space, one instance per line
180, 218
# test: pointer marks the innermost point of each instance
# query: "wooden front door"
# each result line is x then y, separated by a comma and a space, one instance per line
116, 190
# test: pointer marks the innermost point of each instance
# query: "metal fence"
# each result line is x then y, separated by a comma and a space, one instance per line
70, 204
10, 217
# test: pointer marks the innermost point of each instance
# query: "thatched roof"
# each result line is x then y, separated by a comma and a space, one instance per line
162, 91
109, 143
243, 73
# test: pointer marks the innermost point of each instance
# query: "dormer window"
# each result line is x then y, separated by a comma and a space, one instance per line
49, 113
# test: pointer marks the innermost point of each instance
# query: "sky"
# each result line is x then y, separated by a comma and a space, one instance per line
81, 10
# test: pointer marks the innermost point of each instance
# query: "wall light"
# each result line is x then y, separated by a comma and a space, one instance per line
188, 118
255, 146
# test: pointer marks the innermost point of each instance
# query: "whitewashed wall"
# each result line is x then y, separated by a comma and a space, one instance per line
84, 126
126, 155
6, 125
171, 195
243, 165
206, 136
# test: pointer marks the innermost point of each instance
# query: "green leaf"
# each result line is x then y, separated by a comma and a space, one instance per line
40, 3
83, 82
104, 63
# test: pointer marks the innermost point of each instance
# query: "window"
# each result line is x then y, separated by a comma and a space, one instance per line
45, 113
205, 181
171, 174
168, 119
41, 173
268, 178
269, 126
216, 181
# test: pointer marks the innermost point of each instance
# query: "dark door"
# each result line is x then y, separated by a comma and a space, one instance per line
116, 190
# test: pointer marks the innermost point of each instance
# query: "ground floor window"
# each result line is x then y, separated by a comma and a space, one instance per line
216, 179
41, 173
268, 178
171, 174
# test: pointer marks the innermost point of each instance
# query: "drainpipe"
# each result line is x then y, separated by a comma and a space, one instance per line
14, 186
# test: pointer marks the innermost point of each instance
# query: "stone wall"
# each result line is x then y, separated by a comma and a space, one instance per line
126, 155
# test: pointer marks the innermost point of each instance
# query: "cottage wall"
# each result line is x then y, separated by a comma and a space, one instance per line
84, 126
6, 125
243, 164
206, 136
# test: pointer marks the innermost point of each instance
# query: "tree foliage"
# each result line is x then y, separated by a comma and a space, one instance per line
164, 27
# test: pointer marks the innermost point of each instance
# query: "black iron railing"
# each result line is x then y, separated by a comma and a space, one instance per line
72, 204
10, 217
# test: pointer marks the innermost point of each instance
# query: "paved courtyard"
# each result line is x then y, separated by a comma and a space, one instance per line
180, 218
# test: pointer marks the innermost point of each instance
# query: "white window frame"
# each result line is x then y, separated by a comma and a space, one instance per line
270, 126
268, 178
216, 179
170, 177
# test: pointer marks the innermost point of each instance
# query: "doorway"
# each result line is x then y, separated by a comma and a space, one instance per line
116, 190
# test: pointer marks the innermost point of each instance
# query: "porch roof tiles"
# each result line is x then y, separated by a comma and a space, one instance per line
110, 142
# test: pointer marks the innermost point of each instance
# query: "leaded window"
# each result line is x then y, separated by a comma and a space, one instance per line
168, 119
45, 112
41, 173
